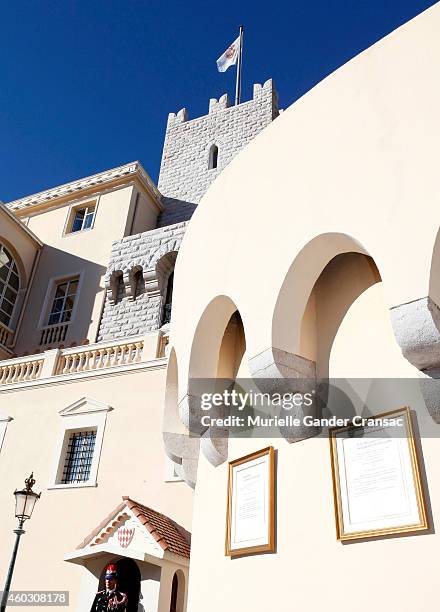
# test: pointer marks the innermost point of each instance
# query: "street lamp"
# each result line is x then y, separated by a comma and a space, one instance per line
24, 505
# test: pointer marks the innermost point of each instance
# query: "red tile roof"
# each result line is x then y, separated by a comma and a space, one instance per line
167, 533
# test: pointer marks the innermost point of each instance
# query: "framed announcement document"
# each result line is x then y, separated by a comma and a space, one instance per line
376, 477
251, 501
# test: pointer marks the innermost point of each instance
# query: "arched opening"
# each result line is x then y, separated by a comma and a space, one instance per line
219, 341
326, 333
298, 285
218, 352
165, 273
177, 592
166, 317
9, 285
213, 157
232, 348
138, 283
174, 592
128, 581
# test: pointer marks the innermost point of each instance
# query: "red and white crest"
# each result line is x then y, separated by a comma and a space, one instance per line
125, 536
230, 51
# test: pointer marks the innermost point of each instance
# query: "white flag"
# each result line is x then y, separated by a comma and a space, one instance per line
229, 57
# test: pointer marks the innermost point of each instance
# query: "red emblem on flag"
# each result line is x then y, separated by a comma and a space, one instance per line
230, 52
125, 536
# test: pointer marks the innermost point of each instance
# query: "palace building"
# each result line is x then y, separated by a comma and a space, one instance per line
277, 245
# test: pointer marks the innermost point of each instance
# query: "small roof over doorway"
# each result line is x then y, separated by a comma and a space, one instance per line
136, 531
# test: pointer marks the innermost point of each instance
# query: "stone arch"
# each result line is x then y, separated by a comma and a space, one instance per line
284, 359
182, 449
343, 281
134, 282
172, 425
165, 274
208, 336
113, 283
164, 268
299, 282
214, 352
296, 357
178, 589
168, 246
218, 349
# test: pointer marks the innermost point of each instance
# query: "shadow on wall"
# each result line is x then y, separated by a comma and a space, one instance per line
175, 211
56, 267
341, 282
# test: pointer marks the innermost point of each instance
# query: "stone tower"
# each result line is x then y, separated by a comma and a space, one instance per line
196, 151
194, 154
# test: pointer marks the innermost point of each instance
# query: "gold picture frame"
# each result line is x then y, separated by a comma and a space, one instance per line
250, 515
384, 473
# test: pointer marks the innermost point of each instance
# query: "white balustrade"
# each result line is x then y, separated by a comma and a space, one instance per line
72, 360
98, 356
52, 334
20, 370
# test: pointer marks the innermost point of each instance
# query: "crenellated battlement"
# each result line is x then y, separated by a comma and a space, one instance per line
260, 92
188, 162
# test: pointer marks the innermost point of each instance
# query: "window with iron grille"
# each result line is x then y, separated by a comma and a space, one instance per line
9, 285
79, 456
63, 301
82, 218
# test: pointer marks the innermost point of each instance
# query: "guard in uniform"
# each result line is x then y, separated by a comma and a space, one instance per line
110, 599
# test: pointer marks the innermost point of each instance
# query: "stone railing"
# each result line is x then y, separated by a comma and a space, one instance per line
21, 369
83, 359
51, 334
100, 355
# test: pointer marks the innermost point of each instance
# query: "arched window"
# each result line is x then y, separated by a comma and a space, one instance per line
9, 285
174, 593
139, 284
213, 157
120, 288
168, 300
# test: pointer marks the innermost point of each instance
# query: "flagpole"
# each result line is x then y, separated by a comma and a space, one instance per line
239, 64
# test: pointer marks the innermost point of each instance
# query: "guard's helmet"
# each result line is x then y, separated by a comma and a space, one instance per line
111, 572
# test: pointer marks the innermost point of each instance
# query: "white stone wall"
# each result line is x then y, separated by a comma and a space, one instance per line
184, 173
133, 308
184, 178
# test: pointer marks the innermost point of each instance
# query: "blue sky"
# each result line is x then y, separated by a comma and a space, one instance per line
88, 85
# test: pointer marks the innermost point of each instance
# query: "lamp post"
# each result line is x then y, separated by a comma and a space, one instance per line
24, 504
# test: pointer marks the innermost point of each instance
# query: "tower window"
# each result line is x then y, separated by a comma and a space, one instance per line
213, 157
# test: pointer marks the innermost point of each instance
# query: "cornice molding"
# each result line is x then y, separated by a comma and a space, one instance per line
159, 363
130, 171
24, 228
